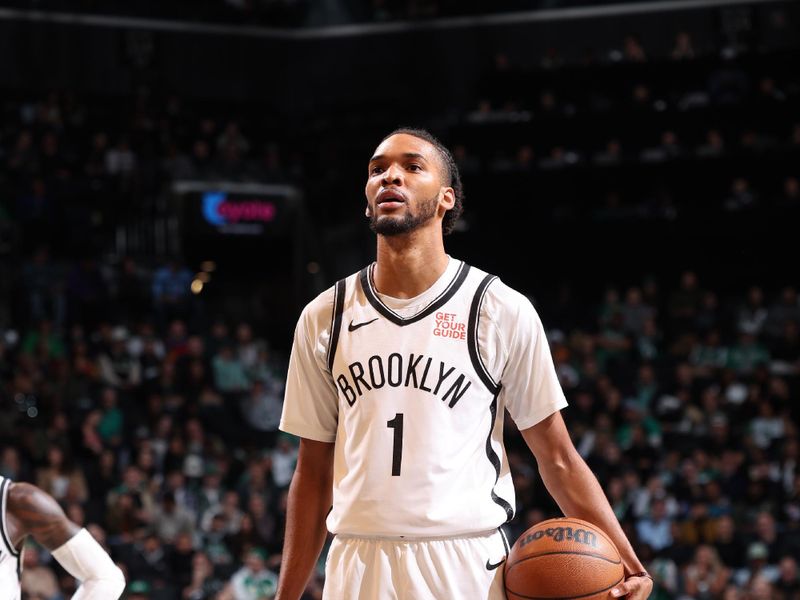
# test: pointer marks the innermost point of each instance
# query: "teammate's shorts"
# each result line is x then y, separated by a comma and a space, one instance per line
451, 568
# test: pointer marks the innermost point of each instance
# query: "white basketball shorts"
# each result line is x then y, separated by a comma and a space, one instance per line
452, 568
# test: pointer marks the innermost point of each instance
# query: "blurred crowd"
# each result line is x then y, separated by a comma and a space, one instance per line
694, 131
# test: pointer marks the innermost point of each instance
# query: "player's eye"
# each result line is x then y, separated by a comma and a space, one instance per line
375, 170
414, 167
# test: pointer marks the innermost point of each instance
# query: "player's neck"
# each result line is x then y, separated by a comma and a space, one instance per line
407, 265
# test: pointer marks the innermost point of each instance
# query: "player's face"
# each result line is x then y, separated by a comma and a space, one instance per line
405, 186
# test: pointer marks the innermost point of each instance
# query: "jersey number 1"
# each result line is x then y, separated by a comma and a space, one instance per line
397, 453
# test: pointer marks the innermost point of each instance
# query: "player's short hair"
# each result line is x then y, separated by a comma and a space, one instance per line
451, 175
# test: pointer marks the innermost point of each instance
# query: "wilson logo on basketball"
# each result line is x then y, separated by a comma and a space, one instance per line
559, 534
448, 327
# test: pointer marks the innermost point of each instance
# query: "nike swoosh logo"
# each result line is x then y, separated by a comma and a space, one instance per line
492, 566
353, 327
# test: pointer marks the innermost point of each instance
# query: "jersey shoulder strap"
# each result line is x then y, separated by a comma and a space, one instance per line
5, 538
336, 319
472, 335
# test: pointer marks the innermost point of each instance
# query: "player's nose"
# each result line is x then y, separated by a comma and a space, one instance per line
393, 175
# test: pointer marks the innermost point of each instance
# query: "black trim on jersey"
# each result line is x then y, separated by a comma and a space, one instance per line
365, 277
495, 460
336, 320
505, 540
508, 550
472, 336
4, 489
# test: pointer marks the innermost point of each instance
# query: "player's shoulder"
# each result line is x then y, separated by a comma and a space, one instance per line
22, 495
320, 305
319, 311
506, 318
499, 298
28, 503
37, 513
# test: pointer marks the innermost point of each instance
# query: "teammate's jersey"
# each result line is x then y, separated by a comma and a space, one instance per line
10, 559
413, 394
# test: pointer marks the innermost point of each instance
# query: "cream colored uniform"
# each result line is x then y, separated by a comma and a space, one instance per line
413, 393
10, 557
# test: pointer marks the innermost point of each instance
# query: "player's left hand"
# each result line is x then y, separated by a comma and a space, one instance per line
634, 588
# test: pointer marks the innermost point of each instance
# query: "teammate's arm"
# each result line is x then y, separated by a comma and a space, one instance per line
37, 514
310, 498
578, 493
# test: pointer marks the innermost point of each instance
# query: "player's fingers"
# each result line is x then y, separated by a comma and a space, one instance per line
634, 588
622, 589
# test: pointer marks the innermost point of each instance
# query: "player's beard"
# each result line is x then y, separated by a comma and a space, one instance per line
390, 225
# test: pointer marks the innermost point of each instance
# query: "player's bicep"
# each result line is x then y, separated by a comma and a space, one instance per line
315, 459
549, 440
40, 516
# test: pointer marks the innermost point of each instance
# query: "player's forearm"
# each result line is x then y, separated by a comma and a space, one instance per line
310, 498
101, 589
305, 535
87, 561
578, 493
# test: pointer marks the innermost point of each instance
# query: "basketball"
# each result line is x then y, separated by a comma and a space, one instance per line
562, 558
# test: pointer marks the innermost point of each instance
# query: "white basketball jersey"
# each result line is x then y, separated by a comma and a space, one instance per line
412, 403
10, 557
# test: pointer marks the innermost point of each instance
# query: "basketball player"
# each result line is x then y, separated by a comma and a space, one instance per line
398, 381
25, 510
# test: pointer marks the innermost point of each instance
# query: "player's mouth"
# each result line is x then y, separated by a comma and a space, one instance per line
390, 199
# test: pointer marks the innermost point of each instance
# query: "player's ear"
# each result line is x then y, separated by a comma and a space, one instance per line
448, 198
